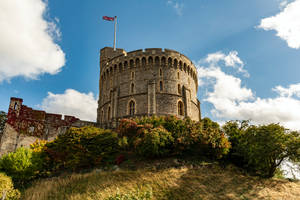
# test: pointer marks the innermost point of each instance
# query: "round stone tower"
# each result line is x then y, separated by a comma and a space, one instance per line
144, 83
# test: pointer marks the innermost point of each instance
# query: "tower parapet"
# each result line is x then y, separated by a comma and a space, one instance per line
146, 82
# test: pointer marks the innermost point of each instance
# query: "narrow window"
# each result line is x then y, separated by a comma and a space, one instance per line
150, 60
132, 87
15, 106
157, 61
125, 65
108, 114
160, 72
160, 85
163, 61
170, 62
137, 62
180, 108
178, 75
131, 63
131, 108
132, 75
175, 63
143, 62
179, 89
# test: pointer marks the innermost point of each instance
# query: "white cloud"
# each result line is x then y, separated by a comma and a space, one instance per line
71, 102
232, 100
178, 7
27, 46
286, 23
230, 60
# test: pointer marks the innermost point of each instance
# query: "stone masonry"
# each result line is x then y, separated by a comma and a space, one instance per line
25, 125
145, 83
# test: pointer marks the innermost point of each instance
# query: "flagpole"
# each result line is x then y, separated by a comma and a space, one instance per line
115, 36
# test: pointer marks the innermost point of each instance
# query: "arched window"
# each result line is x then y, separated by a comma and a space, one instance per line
170, 62
180, 108
160, 85
180, 65
131, 63
179, 89
115, 68
150, 60
184, 67
120, 67
132, 88
137, 62
15, 106
125, 65
163, 61
175, 63
108, 114
157, 61
143, 62
131, 108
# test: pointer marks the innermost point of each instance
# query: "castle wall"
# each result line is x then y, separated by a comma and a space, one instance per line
25, 125
155, 79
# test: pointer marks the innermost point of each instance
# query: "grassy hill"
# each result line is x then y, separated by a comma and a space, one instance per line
163, 179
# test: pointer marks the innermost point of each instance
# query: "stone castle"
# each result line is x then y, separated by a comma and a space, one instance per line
132, 84
144, 83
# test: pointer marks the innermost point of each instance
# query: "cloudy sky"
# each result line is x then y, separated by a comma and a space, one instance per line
247, 52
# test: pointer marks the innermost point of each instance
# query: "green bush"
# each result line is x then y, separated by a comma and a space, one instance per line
23, 165
203, 137
82, 148
7, 188
153, 142
261, 149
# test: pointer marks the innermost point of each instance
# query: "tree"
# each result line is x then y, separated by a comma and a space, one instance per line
261, 149
3, 118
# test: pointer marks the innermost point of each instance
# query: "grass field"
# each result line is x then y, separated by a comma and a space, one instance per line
158, 180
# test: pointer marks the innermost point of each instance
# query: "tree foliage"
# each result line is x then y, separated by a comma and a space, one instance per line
261, 149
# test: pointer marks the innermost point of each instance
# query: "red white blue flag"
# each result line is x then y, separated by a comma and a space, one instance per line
108, 18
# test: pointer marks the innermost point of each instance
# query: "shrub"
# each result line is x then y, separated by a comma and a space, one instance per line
153, 142
23, 165
262, 148
82, 148
184, 136
7, 188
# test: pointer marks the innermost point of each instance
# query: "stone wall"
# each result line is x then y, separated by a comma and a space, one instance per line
25, 125
156, 80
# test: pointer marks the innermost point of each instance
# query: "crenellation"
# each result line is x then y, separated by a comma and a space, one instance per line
155, 80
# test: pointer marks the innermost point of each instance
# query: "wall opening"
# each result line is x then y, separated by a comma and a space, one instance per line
180, 108
179, 89
160, 85
132, 88
131, 108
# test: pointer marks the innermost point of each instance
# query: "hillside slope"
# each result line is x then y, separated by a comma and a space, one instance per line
162, 181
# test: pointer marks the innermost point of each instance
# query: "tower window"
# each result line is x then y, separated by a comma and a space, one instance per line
108, 114
157, 61
15, 106
131, 108
178, 75
160, 85
170, 62
179, 89
143, 62
160, 72
150, 60
132, 87
132, 75
180, 108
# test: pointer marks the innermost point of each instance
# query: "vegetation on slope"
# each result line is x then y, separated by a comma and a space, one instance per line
189, 181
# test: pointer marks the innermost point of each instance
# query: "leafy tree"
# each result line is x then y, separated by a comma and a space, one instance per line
3, 118
261, 149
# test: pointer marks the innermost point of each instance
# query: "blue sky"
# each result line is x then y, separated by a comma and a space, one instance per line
247, 52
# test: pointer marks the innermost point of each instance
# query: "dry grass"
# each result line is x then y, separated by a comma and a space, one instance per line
201, 182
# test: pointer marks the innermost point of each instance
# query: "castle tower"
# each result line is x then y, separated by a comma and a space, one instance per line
145, 83
14, 107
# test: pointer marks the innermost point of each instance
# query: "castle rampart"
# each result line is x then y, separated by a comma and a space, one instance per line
146, 82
